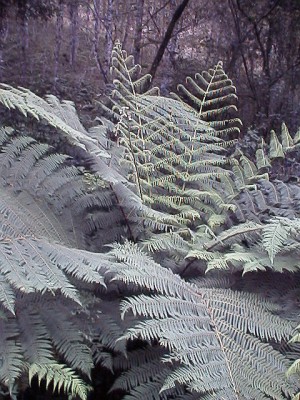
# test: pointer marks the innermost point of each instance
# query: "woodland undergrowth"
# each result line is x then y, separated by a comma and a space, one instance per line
150, 251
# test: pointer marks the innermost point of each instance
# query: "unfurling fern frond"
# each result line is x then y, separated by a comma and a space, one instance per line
213, 333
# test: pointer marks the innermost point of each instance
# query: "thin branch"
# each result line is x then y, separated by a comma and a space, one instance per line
159, 55
156, 12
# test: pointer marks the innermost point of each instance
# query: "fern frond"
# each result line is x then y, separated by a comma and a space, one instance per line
166, 241
276, 150
70, 346
190, 321
165, 144
251, 247
142, 373
297, 137
212, 95
295, 367
55, 113
34, 337
11, 359
110, 330
44, 330
62, 378
7, 295
230, 235
276, 233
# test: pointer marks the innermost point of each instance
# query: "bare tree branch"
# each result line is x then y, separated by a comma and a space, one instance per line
159, 55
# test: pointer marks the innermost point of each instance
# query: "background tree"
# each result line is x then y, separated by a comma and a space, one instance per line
259, 47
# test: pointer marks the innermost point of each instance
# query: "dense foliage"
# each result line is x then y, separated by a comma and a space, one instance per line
155, 211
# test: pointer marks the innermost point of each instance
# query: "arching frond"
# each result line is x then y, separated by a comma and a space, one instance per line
11, 360
166, 143
276, 234
59, 115
62, 378
212, 332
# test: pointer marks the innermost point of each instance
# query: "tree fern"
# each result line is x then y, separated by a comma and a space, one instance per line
169, 182
212, 332
167, 148
40, 267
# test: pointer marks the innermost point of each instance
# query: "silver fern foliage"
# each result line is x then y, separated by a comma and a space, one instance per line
169, 181
174, 158
219, 340
44, 270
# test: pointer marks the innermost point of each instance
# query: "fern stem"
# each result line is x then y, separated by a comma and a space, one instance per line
182, 274
131, 237
214, 243
199, 117
140, 131
137, 176
223, 348
218, 335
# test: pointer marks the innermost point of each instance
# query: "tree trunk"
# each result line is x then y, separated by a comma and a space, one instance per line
2, 36
58, 40
171, 56
73, 9
138, 31
96, 50
108, 23
159, 55
23, 14
125, 26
